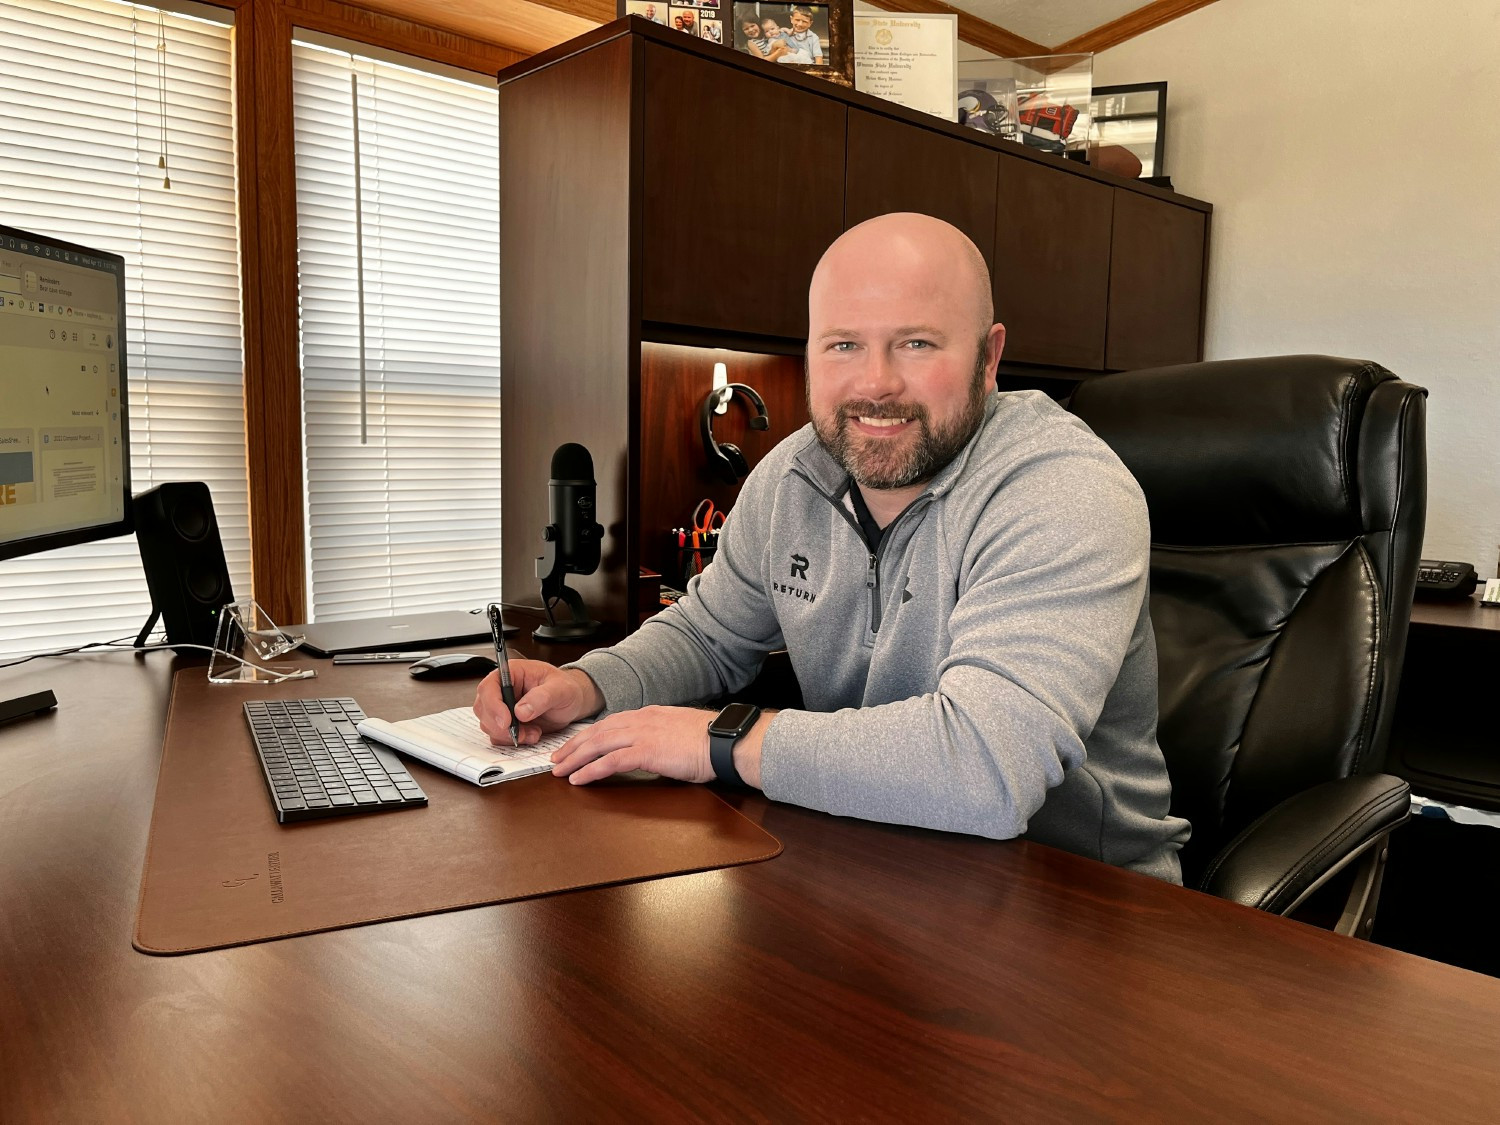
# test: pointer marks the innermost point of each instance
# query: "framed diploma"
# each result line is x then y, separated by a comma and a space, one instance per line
909, 60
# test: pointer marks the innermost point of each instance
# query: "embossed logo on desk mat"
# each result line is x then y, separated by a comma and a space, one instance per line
221, 871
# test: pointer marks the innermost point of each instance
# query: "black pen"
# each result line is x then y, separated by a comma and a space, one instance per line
502, 661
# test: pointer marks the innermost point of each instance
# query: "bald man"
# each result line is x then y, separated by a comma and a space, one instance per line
958, 575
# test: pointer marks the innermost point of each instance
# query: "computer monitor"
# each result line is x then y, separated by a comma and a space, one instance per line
64, 435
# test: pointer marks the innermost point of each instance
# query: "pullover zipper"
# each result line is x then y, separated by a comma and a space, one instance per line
872, 573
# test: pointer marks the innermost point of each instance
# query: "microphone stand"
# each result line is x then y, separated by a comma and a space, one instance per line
555, 587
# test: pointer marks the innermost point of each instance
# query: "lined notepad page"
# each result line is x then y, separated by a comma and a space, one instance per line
453, 741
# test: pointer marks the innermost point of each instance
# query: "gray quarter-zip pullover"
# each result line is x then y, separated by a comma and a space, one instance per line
989, 669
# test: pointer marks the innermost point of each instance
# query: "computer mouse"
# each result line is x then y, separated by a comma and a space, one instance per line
452, 666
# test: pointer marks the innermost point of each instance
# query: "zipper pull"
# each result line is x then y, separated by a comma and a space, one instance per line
871, 573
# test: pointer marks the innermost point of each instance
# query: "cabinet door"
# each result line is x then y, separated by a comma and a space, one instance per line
743, 191
895, 166
1051, 270
1155, 283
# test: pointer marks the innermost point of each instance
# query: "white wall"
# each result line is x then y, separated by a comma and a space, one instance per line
1351, 150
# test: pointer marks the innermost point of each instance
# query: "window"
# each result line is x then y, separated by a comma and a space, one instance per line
78, 160
398, 259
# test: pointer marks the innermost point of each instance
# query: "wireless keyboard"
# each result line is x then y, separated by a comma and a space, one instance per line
317, 764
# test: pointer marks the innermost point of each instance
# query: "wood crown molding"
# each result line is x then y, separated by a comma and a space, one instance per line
600, 11
971, 29
406, 32
1129, 25
449, 30
530, 26
523, 26
1007, 44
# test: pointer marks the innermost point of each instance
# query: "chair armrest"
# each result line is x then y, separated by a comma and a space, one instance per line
1289, 851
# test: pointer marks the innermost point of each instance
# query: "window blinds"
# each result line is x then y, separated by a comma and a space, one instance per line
398, 262
79, 142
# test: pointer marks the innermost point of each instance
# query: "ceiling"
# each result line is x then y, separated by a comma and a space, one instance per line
1049, 23
1003, 27
1016, 28
518, 24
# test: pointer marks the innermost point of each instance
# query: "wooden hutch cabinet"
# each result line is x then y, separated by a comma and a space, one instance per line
663, 202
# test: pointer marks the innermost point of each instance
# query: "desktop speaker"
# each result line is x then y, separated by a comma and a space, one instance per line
184, 560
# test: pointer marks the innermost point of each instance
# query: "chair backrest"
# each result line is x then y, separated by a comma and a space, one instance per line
1287, 498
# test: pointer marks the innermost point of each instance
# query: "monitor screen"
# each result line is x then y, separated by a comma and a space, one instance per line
64, 440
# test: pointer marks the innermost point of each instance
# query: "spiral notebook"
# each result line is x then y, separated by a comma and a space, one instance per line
452, 740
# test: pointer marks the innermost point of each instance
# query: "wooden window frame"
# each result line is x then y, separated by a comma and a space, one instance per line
268, 256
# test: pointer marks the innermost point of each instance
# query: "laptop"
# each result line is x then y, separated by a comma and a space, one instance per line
391, 634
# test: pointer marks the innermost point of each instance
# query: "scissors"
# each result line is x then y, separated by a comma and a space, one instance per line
706, 519
706, 523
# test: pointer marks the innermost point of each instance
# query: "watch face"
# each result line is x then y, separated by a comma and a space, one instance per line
733, 718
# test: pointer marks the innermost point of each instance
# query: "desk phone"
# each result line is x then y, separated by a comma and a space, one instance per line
1439, 580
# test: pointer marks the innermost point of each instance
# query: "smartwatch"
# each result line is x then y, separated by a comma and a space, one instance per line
724, 731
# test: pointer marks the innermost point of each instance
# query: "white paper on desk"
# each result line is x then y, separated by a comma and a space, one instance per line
1459, 814
453, 741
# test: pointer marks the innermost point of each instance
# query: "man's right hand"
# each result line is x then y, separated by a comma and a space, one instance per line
547, 699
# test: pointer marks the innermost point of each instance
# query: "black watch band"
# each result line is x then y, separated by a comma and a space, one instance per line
727, 727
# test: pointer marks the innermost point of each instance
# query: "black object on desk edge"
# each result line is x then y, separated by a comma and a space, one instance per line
25, 705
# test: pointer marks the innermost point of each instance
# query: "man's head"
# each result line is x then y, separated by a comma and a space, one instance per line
650, 11
801, 19
901, 348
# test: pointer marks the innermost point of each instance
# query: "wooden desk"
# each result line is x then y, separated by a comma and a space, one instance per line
1466, 613
869, 971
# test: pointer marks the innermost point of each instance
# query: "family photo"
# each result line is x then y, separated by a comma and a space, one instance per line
791, 34
696, 17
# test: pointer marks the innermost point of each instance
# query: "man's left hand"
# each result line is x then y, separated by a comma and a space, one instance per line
671, 741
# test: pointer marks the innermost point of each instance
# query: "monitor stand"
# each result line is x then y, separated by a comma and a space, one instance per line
140, 638
25, 706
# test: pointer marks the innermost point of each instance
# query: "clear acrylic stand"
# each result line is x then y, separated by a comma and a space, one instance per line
246, 640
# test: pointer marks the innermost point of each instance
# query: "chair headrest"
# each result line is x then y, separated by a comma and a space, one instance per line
1240, 451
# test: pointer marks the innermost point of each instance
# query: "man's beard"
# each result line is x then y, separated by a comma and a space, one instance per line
886, 463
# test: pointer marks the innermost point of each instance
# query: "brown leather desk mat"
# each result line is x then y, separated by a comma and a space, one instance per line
221, 871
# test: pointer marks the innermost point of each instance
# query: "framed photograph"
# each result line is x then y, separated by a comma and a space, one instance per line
816, 38
813, 38
647, 10
1133, 117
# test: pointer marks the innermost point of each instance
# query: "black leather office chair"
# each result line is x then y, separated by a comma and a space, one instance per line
1287, 500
